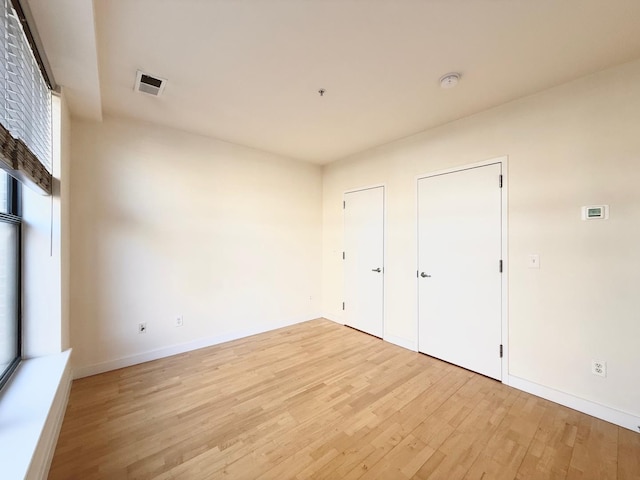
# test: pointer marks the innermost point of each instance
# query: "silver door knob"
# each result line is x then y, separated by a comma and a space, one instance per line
424, 275
376, 270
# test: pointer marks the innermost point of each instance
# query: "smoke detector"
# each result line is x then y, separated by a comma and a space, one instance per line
149, 84
449, 80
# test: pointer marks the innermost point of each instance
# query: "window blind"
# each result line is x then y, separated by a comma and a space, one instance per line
25, 106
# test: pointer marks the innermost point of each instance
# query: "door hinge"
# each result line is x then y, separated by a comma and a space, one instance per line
343, 255
500, 350
343, 305
500, 266
344, 205
500, 181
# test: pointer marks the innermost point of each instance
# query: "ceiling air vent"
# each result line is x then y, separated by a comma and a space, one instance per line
146, 83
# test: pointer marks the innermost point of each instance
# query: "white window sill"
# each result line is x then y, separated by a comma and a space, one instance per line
25, 407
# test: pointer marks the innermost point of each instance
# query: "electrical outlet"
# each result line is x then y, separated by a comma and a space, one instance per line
179, 321
599, 368
142, 327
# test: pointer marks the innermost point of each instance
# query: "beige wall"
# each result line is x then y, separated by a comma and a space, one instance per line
166, 223
578, 144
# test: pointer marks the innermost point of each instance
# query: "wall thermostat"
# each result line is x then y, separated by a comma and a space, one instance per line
595, 212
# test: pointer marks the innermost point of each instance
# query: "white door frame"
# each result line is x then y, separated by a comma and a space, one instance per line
384, 250
503, 161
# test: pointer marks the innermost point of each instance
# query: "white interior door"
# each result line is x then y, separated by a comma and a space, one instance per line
459, 265
364, 260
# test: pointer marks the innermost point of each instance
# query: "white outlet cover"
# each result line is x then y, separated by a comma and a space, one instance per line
598, 367
534, 261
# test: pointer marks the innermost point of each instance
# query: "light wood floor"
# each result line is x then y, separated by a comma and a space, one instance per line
319, 400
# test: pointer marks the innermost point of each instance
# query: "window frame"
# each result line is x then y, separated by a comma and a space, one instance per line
14, 216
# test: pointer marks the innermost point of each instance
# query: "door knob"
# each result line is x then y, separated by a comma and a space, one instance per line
424, 275
376, 270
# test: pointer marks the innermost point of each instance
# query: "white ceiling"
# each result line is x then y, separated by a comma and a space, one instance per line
248, 71
67, 30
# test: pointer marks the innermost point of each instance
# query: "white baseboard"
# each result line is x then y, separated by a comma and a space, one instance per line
617, 417
401, 342
128, 361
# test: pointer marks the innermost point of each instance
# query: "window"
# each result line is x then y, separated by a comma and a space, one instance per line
25, 109
10, 327
25, 157
25, 104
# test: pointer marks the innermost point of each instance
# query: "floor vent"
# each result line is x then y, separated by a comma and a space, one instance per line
149, 84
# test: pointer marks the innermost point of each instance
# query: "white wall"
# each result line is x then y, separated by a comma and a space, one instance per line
62, 182
45, 320
578, 144
166, 223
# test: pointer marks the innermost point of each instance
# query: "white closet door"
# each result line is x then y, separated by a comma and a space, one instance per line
459, 264
364, 260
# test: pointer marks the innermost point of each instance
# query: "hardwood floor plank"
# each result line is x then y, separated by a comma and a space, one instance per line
628, 455
506, 449
550, 451
473, 427
318, 400
595, 452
